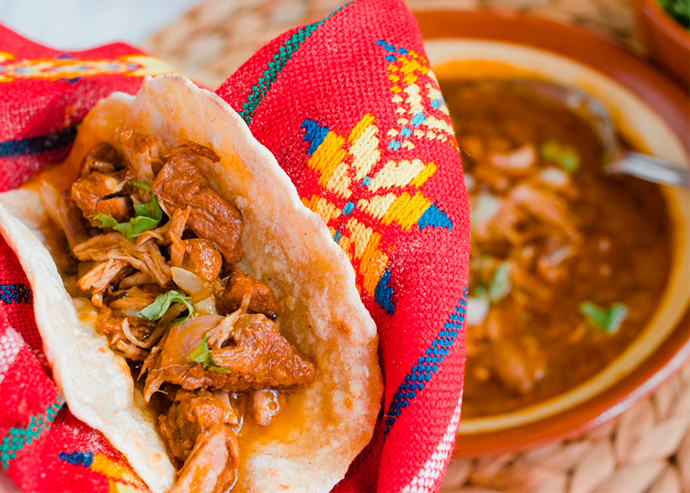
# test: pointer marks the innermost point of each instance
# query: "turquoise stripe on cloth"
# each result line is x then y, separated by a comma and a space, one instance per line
276, 65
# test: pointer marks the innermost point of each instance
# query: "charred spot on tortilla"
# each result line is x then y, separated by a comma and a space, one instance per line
207, 302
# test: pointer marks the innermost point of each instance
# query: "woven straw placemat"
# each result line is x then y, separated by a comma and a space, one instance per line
647, 449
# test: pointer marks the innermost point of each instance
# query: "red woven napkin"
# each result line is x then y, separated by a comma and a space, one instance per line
353, 113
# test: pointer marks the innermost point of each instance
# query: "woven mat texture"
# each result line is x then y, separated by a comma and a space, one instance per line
647, 449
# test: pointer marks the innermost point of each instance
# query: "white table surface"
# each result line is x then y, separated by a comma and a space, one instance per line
82, 24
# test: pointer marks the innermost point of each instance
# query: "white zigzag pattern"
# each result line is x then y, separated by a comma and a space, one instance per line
10, 344
429, 475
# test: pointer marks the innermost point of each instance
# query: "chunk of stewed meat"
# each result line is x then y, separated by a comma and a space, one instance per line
266, 405
102, 158
96, 194
254, 356
262, 299
181, 185
196, 431
196, 255
143, 153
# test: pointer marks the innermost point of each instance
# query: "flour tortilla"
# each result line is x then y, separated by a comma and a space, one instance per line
286, 246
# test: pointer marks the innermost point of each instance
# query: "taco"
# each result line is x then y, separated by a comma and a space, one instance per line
192, 309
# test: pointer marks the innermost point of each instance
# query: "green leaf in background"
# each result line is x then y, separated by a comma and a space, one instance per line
160, 305
202, 355
564, 156
604, 320
481, 291
679, 10
500, 284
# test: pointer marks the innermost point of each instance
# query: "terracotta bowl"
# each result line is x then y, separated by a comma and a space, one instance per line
651, 112
668, 41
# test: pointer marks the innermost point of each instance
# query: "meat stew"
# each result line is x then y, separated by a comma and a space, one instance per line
567, 265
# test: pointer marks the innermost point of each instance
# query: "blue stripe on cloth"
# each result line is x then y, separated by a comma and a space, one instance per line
427, 365
435, 218
15, 293
84, 459
38, 145
384, 293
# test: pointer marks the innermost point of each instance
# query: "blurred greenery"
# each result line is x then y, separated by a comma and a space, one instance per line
679, 10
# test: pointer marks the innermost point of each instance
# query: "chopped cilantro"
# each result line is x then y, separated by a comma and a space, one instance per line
147, 217
105, 220
157, 309
679, 10
564, 156
202, 355
603, 320
500, 284
140, 185
481, 291
72, 271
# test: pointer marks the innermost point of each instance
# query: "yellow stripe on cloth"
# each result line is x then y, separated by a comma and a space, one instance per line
406, 210
364, 147
327, 157
322, 207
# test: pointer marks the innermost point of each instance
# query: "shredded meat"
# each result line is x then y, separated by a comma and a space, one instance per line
137, 279
143, 153
145, 257
114, 328
180, 184
262, 299
124, 326
96, 193
99, 278
102, 158
196, 431
255, 355
518, 366
161, 235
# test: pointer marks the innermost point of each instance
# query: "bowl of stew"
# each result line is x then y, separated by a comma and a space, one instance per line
578, 280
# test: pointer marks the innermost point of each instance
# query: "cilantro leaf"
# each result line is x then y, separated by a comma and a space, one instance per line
564, 156
150, 209
136, 226
604, 320
202, 355
140, 185
160, 305
105, 220
147, 217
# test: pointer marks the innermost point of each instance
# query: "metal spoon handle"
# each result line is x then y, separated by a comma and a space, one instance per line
651, 169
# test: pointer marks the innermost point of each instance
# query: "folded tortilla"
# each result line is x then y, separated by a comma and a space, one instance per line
323, 426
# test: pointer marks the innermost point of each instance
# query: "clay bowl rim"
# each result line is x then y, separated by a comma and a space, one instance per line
636, 76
